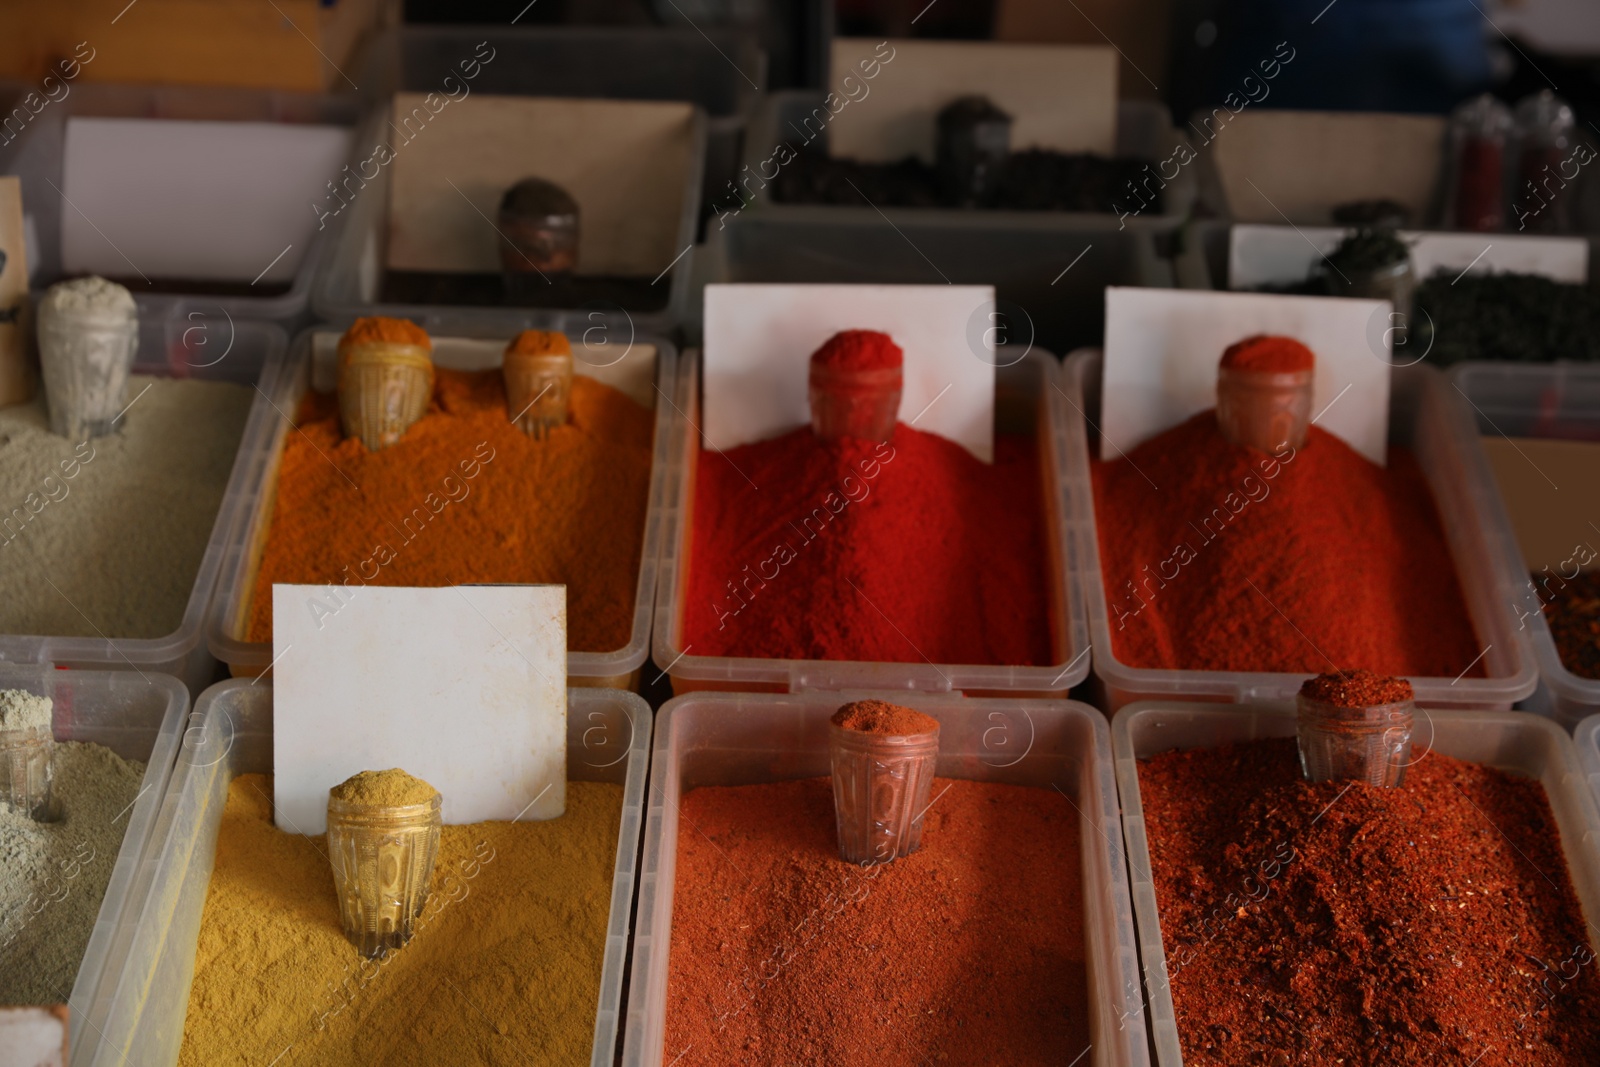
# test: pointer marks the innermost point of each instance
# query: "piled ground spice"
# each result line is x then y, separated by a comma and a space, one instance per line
103, 538
1356, 689
1218, 557
1268, 354
466, 497
909, 551
504, 967
1573, 614
882, 717
393, 788
970, 950
1342, 923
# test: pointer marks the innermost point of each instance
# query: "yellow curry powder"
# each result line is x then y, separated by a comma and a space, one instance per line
466, 497
504, 967
393, 788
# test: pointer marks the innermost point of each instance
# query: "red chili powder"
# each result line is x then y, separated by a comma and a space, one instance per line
882, 717
1342, 923
859, 350
1219, 558
968, 951
1267, 354
908, 551
1356, 689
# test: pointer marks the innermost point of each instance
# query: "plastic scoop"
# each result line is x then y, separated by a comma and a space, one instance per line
26, 745
539, 221
538, 374
88, 333
1355, 725
383, 837
1264, 393
855, 385
385, 379
883, 759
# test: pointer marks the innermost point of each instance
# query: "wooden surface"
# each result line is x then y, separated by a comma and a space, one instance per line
1550, 490
16, 372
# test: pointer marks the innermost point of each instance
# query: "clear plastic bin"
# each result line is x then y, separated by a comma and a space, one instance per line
646, 370
138, 718
1587, 738
178, 348
718, 71
1027, 397
146, 987
1549, 400
36, 157
1512, 741
350, 270
1426, 416
729, 739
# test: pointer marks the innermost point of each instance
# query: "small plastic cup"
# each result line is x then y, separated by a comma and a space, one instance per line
538, 381
25, 770
539, 223
1267, 410
881, 785
855, 403
382, 858
1355, 726
384, 388
85, 355
974, 142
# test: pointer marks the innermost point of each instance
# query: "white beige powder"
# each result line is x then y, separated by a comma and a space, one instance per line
21, 710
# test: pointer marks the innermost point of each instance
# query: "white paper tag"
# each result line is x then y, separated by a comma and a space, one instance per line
463, 687
1283, 255
759, 340
1162, 348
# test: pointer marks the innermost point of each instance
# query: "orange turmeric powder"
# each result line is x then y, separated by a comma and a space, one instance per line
378, 328
467, 497
540, 343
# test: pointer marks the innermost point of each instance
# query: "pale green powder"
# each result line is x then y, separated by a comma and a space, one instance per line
53, 875
104, 538
21, 710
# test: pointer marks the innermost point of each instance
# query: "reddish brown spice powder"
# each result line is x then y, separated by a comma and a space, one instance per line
859, 350
1356, 689
1573, 613
882, 717
1216, 557
1342, 923
968, 951
1268, 354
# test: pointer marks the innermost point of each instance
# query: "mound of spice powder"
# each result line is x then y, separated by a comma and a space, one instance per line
1218, 557
1341, 923
1572, 610
393, 788
882, 717
1268, 354
970, 950
466, 497
906, 551
504, 967
1356, 689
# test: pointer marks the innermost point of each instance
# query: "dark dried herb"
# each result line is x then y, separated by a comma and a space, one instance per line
1512, 317
1366, 249
1573, 612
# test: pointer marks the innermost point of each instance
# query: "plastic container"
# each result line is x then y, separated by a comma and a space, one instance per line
1511, 741
36, 157
1556, 400
646, 367
84, 358
242, 352
384, 388
1367, 744
146, 987
729, 739
1587, 738
1027, 397
138, 718
25, 769
881, 785
382, 858
1263, 409
538, 390
854, 403
1426, 416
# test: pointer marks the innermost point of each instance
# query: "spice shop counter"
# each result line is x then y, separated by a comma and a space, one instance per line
464, 497
1005, 937
1282, 567
111, 546
518, 956
68, 882
793, 564
1449, 918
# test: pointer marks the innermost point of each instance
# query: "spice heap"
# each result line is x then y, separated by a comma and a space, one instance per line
781, 954
1356, 689
1241, 561
1268, 354
882, 717
53, 875
504, 967
1521, 318
1339, 923
392, 788
103, 538
1573, 614
466, 497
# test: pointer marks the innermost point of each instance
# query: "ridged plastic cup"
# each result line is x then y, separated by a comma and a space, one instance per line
25, 770
84, 359
384, 387
881, 785
382, 858
855, 403
1370, 744
1266, 410
538, 390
